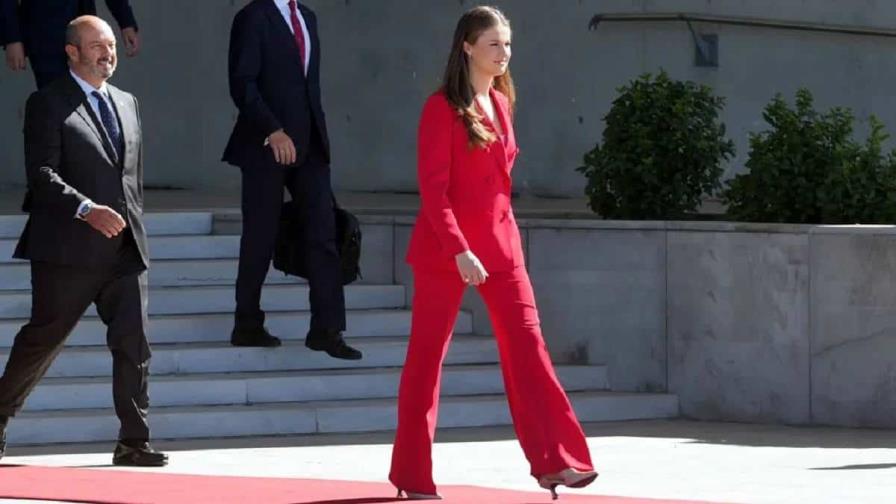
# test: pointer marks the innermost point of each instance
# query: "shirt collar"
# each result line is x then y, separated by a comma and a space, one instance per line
88, 87
283, 5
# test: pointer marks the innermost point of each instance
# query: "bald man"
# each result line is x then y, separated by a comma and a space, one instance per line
85, 236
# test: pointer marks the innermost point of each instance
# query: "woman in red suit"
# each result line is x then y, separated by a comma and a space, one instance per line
466, 235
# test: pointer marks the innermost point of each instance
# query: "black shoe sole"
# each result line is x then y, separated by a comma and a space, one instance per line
254, 344
346, 357
316, 348
142, 464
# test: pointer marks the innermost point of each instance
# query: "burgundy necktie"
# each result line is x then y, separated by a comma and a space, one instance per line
297, 30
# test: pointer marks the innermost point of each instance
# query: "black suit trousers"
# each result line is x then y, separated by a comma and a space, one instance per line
60, 296
47, 69
262, 198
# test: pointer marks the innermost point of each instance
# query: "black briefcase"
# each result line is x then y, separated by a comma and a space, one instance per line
289, 253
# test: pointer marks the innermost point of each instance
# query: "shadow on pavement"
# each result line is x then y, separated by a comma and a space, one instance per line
710, 433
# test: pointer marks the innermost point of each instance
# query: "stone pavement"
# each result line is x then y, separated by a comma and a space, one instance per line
662, 459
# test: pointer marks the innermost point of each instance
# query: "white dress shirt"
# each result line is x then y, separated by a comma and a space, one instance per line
94, 104
283, 6
92, 100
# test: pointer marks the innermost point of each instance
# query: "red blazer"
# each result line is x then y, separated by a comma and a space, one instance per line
464, 192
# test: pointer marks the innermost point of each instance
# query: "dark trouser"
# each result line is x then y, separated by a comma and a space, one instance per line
48, 68
262, 198
60, 295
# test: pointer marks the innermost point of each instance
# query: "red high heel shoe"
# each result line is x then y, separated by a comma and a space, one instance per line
569, 477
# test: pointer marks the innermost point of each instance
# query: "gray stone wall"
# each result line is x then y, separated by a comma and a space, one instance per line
602, 298
853, 319
744, 322
382, 57
738, 325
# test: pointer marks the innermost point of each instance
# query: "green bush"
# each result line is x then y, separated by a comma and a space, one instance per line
662, 150
808, 169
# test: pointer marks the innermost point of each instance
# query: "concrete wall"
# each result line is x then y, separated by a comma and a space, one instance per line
602, 298
853, 319
744, 322
738, 325
381, 58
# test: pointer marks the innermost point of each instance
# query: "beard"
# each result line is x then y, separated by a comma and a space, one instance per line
97, 69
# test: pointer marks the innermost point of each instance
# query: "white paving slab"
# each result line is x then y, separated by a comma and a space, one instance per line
693, 461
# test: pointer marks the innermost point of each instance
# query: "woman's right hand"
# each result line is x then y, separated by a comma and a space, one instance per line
471, 270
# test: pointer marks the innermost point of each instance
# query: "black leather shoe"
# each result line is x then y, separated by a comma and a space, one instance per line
333, 344
253, 338
139, 456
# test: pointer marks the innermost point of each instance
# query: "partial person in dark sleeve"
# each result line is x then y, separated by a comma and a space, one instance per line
35, 30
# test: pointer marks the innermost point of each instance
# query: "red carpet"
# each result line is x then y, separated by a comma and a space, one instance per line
120, 487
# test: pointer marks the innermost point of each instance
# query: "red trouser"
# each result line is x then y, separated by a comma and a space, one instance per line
545, 423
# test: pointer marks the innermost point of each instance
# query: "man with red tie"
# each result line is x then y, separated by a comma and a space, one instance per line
280, 141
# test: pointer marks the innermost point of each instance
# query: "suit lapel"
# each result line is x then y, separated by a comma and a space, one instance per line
283, 33
78, 99
311, 25
126, 119
500, 149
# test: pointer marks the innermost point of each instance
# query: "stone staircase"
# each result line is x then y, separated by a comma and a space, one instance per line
201, 387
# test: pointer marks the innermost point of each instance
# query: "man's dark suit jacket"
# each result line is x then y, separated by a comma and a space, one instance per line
3, 28
40, 24
268, 85
68, 158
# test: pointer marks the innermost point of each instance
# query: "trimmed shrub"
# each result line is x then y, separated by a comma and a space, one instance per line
807, 168
661, 151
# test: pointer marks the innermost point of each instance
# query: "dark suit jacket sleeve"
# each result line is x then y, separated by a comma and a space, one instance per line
9, 22
43, 153
244, 66
124, 15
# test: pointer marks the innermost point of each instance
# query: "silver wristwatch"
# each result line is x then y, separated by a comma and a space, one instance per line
84, 209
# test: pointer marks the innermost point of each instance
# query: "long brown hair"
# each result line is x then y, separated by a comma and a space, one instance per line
456, 83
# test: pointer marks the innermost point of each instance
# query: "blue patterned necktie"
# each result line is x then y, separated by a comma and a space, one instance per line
109, 122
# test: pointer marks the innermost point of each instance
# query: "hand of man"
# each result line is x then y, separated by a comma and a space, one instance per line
472, 272
283, 147
105, 220
131, 41
15, 56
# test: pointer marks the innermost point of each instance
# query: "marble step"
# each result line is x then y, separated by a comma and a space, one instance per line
293, 386
220, 299
216, 327
361, 415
